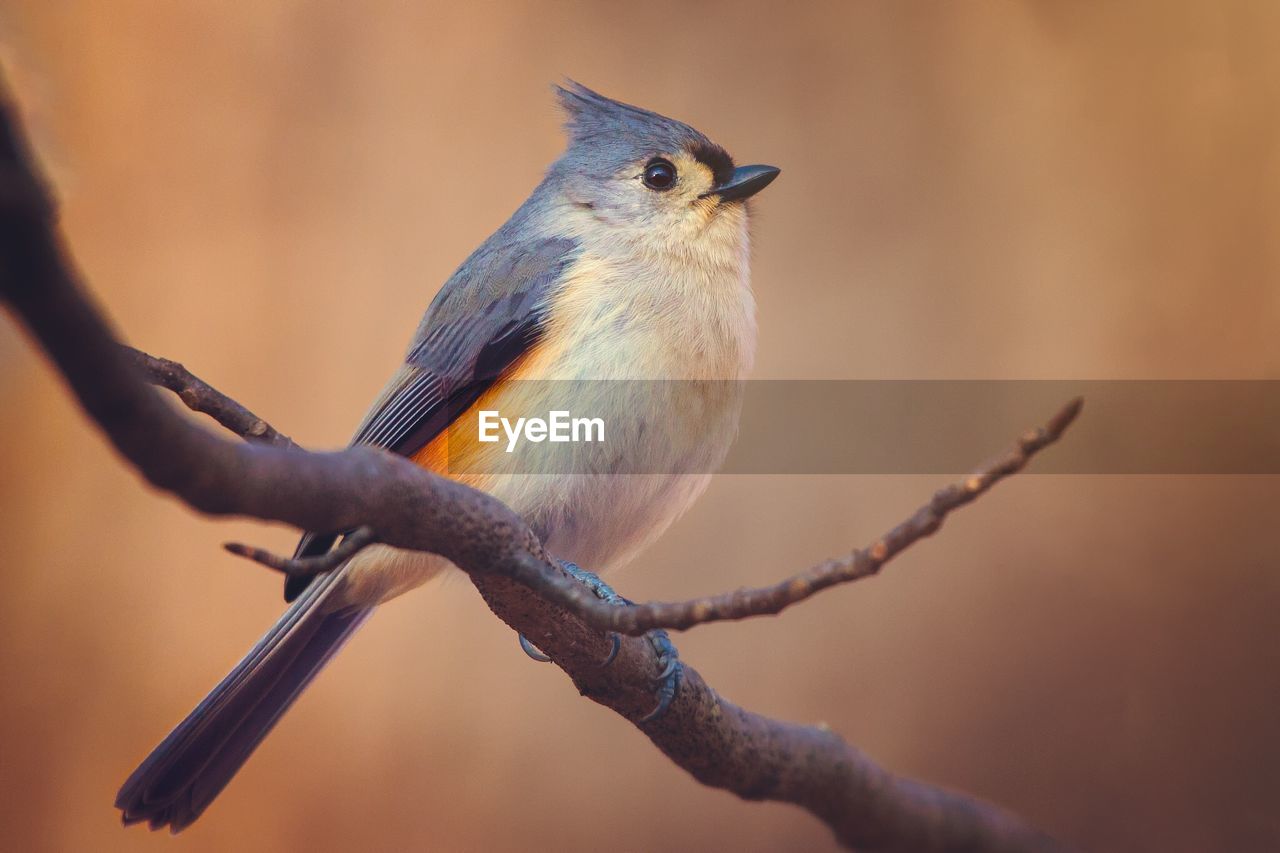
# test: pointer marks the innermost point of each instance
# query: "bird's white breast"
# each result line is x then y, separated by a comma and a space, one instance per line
653, 346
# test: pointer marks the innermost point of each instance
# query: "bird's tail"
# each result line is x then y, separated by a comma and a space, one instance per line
181, 776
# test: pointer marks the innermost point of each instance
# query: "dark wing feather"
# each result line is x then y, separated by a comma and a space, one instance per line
484, 318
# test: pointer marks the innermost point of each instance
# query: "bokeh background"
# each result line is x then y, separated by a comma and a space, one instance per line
272, 192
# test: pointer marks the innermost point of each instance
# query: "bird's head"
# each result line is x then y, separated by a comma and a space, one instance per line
648, 179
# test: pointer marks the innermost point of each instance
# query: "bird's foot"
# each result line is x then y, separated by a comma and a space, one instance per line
668, 678
602, 591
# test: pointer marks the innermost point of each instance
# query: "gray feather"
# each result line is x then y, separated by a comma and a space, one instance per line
485, 317
181, 776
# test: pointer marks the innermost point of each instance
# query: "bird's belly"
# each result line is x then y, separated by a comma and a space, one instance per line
598, 502
595, 503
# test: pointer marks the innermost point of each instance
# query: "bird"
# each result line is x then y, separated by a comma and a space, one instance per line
623, 280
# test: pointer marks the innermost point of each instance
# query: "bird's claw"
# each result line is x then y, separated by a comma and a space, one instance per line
531, 650
613, 650
668, 680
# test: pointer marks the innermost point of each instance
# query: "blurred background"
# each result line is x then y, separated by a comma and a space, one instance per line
272, 192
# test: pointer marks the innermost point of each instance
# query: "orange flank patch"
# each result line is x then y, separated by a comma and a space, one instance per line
457, 451
458, 447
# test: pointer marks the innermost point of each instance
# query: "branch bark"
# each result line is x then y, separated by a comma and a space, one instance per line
402, 505
638, 619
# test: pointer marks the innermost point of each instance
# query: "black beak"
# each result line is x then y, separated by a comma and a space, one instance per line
745, 182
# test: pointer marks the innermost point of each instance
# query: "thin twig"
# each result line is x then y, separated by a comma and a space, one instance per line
763, 601
351, 544
200, 396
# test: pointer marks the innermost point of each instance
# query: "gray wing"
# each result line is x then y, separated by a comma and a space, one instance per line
487, 315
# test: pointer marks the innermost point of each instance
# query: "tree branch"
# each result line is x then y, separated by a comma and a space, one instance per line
200, 396
638, 619
406, 507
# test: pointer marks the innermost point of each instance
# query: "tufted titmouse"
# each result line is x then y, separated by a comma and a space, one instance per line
629, 261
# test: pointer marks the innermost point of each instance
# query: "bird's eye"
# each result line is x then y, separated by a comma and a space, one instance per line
659, 175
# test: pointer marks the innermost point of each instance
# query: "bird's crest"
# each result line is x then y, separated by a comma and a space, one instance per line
610, 134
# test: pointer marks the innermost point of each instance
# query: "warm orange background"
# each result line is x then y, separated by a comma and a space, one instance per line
272, 192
